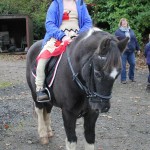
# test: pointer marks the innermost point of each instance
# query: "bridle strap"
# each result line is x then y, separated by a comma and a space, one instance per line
75, 76
86, 90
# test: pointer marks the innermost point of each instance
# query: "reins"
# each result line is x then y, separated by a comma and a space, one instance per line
85, 89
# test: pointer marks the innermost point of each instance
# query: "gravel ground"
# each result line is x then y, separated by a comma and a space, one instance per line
125, 127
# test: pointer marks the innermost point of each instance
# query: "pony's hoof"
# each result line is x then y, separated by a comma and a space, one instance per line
50, 134
44, 140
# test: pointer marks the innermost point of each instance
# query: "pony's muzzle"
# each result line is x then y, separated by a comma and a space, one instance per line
102, 106
105, 109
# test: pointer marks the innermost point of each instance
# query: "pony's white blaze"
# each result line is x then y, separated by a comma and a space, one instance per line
114, 73
101, 58
70, 146
89, 146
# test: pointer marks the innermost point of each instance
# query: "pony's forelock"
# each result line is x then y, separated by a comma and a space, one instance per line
112, 53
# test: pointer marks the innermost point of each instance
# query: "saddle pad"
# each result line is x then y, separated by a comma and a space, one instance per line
50, 70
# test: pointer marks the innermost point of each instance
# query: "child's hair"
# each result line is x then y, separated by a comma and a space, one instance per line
120, 22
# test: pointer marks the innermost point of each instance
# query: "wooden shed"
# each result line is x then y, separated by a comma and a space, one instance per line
16, 30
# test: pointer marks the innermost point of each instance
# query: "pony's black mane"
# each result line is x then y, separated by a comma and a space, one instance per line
112, 53
101, 43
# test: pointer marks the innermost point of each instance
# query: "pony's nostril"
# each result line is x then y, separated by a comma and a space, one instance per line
106, 109
97, 111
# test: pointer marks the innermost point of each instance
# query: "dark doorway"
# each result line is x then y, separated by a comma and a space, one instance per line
17, 30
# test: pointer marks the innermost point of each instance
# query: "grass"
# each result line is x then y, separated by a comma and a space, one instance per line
5, 84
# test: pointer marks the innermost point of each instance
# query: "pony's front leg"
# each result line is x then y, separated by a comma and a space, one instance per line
89, 129
70, 125
48, 124
42, 129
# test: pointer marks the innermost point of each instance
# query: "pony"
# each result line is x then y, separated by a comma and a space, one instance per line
82, 86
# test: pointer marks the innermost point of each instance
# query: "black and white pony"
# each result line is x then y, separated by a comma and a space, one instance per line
82, 86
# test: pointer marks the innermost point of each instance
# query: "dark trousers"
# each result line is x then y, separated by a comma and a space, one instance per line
149, 74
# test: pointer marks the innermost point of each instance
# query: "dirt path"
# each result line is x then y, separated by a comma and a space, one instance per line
125, 127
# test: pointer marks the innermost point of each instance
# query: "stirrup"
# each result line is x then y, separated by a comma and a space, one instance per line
46, 96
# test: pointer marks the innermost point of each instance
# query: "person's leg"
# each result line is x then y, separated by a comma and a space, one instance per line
149, 74
40, 73
148, 80
40, 78
43, 58
123, 71
131, 61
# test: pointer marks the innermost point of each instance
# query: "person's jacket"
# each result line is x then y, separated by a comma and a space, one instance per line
55, 15
147, 53
132, 44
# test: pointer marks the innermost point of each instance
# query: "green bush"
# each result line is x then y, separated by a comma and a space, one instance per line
136, 11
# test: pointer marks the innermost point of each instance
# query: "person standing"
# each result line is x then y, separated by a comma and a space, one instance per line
65, 20
147, 56
123, 31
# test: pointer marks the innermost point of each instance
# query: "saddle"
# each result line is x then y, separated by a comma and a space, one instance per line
49, 69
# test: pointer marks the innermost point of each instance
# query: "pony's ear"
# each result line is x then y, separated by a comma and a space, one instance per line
105, 44
122, 44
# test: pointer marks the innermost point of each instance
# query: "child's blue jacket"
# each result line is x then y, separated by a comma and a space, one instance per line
54, 19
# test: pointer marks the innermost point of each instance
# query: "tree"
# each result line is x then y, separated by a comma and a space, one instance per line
136, 11
106, 14
36, 9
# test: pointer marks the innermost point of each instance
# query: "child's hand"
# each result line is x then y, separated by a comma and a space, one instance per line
138, 52
66, 38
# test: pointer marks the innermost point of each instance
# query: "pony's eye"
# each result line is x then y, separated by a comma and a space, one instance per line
97, 74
